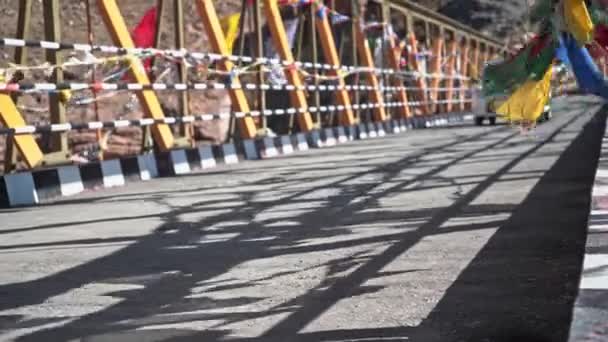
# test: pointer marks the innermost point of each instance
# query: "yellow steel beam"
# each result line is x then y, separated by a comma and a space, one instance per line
394, 61
464, 65
150, 104
331, 57
452, 50
207, 11
477, 72
11, 118
393, 56
420, 81
366, 60
435, 69
281, 43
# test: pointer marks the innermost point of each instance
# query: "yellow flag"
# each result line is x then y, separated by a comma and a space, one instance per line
528, 102
230, 26
578, 21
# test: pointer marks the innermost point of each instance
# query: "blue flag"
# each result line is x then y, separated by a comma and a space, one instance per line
588, 75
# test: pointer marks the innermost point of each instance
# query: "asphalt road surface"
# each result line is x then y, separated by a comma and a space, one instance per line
460, 234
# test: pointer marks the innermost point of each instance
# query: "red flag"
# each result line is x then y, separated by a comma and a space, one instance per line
144, 34
538, 44
601, 35
596, 51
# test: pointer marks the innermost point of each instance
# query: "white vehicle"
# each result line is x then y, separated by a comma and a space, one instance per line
481, 108
484, 110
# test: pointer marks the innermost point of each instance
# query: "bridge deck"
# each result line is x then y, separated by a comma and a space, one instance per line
437, 235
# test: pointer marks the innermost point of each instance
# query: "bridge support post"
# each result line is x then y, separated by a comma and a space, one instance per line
277, 30
330, 52
365, 55
186, 130
26, 144
120, 34
420, 82
217, 39
393, 55
451, 73
464, 72
52, 32
435, 68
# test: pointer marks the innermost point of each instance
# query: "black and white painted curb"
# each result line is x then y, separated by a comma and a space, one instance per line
590, 319
44, 186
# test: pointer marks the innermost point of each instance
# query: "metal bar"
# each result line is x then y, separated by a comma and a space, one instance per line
93, 70
259, 38
184, 96
464, 65
355, 13
299, 43
242, 18
52, 32
9, 154
160, 10
474, 67
23, 29
315, 60
413, 58
435, 68
452, 51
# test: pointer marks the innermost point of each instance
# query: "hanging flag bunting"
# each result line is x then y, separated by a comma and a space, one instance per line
501, 77
542, 10
588, 75
338, 18
578, 21
596, 51
598, 14
601, 35
561, 52
542, 60
230, 26
571, 34
528, 102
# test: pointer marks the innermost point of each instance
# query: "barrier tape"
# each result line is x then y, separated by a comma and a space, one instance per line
52, 87
207, 57
95, 125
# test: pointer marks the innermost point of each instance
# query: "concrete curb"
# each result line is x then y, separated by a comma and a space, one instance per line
44, 186
590, 319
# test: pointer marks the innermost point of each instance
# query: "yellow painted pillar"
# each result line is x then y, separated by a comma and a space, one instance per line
217, 40
277, 30
366, 60
464, 65
452, 49
435, 69
421, 80
331, 57
121, 36
26, 144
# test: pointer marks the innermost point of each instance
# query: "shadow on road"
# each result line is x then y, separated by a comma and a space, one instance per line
535, 257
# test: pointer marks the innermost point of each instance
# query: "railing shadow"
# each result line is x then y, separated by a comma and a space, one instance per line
170, 264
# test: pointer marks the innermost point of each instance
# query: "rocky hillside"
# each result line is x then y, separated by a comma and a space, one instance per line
495, 18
